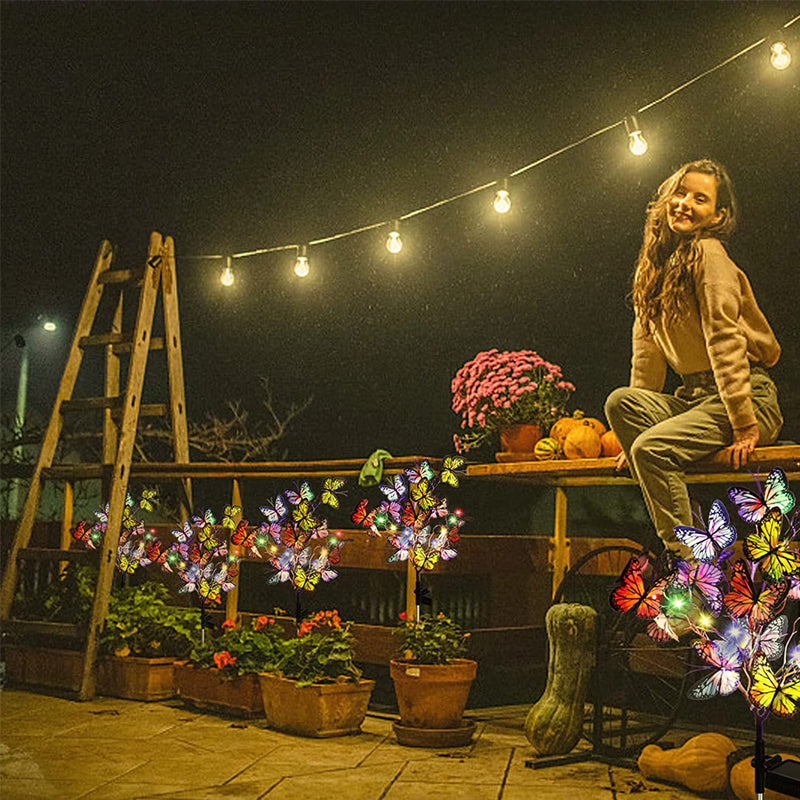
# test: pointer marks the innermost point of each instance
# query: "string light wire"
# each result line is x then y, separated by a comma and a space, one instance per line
483, 187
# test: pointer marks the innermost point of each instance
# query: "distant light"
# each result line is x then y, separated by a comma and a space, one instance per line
779, 55
636, 141
226, 277
301, 266
50, 326
394, 244
502, 200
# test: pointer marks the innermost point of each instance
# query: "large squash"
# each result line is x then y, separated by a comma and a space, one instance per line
561, 427
582, 441
700, 764
553, 726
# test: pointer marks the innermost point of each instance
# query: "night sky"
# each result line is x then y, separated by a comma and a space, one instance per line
236, 126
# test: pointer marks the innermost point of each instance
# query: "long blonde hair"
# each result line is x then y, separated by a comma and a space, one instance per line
662, 281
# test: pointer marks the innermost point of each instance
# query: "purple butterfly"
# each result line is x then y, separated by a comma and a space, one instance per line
395, 491
706, 579
724, 680
707, 544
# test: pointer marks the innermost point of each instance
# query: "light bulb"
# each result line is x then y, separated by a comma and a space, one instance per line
779, 55
502, 200
636, 141
394, 244
226, 277
301, 264
49, 326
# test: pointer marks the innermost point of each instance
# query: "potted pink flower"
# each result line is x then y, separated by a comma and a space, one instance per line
497, 391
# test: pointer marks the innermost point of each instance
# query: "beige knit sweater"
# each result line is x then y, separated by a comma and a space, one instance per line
723, 330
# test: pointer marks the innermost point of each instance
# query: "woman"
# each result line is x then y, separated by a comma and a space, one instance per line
694, 311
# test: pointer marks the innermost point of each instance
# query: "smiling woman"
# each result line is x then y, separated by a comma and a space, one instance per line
695, 311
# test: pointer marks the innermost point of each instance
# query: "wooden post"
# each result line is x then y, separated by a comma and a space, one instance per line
53, 432
411, 597
232, 598
559, 543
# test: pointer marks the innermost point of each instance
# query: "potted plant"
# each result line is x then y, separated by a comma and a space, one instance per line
142, 638
315, 688
432, 683
221, 674
732, 607
514, 395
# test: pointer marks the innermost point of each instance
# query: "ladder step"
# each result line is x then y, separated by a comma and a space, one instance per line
114, 403
121, 342
132, 276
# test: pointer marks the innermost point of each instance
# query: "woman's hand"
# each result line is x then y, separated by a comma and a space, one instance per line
621, 461
744, 442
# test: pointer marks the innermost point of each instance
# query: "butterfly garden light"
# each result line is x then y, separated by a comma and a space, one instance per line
732, 606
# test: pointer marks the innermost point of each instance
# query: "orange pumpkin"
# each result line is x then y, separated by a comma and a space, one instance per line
610, 445
596, 424
582, 441
563, 426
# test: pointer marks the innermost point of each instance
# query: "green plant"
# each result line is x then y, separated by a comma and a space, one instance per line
322, 652
433, 640
68, 598
240, 651
140, 623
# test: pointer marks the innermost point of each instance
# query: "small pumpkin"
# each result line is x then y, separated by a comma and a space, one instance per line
553, 725
609, 445
700, 764
582, 441
743, 781
599, 426
561, 427
547, 449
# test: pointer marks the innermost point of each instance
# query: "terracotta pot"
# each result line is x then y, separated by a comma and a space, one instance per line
519, 438
432, 695
133, 678
207, 689
43, 666
320, 710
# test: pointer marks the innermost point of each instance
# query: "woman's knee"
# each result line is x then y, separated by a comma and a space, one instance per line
620, 403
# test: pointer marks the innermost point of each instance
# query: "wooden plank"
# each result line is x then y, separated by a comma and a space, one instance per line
51, 437
50, 554
117, 276
119, 479
33, 627
119, 342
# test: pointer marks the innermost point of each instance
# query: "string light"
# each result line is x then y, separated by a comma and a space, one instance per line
49, 326
502, 200
226, 277
779, 55
301, 264
636, 141
394, 244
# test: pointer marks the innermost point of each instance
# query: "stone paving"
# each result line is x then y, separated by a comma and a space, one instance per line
110, 749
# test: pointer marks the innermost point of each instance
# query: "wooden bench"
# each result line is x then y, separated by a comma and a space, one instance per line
600, 472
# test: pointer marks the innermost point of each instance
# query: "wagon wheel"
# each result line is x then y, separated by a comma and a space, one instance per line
638, 684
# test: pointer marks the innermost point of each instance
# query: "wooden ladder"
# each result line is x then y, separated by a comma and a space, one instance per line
120, 415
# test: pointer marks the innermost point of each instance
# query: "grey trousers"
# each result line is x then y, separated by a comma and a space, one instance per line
661, 434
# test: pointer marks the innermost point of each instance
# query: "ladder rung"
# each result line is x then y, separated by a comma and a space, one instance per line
121, 342
115, 404
151, 410
121, 276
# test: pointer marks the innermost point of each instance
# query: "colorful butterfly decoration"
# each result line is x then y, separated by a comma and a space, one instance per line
774, 692
331, 490
635, 593
777, 557
753, 506
708, 544
727, 663
758, 605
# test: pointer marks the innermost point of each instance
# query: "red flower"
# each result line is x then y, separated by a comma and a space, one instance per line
224, 659
229, 624
263, 622
402, 616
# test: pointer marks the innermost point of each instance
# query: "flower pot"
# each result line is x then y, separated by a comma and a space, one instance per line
133, 678
519, 438
43, 666
320, 710
432, 695
207, 689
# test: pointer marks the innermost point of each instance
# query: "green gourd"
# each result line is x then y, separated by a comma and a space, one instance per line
553, 726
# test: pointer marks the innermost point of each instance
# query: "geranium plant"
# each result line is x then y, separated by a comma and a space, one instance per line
432, 640
240, 650
496, 389
733, 607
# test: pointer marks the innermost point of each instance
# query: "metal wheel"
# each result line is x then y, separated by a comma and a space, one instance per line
638, 684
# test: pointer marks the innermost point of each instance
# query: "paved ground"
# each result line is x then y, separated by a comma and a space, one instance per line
112, 749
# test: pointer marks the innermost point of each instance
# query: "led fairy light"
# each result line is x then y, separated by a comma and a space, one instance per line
636, 141
394, 244
226, 277
502, 200
779, 55
301, 264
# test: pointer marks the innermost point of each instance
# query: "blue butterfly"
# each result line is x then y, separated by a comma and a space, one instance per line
275, 512
396, 491
707, 544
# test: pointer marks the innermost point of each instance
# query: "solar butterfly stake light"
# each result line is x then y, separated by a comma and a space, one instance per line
418, 524
733, 607
296, 539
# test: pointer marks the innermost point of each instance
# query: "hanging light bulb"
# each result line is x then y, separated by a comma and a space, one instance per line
49, 326
779, 55
226, 277
301, 264
394, 244
636, 141
502, 200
